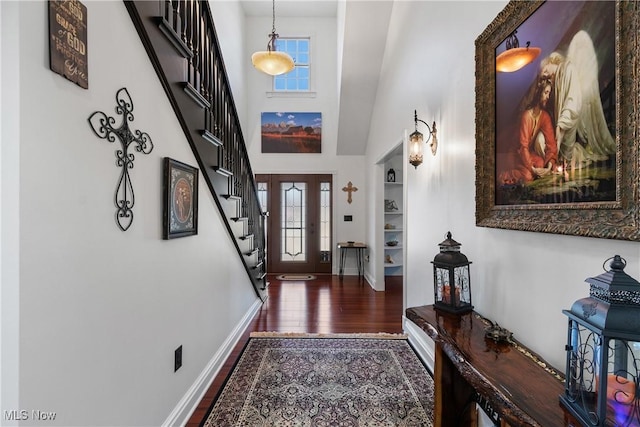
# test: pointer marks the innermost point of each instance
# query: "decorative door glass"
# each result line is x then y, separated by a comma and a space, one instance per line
293, 221
325, 221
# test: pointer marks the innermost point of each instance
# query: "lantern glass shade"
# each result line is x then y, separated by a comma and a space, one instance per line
451, 279
603, 352
415, 149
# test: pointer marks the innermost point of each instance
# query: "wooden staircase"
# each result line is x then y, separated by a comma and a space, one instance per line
181, 41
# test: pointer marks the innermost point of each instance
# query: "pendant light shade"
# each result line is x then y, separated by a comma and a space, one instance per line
515, 57
271, 61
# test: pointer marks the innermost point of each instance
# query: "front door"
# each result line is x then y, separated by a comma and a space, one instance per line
299, 222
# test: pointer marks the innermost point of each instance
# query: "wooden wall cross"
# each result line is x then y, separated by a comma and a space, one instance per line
349, 189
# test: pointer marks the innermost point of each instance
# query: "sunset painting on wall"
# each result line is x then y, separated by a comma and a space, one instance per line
291, 132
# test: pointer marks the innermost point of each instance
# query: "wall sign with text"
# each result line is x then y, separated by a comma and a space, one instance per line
68, 40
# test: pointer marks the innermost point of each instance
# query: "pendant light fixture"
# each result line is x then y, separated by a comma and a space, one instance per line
271, 61
515, 57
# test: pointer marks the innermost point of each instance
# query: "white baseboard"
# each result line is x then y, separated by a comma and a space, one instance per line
421, 342
189, 402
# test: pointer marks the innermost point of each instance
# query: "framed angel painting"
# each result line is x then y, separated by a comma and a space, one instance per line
557, 150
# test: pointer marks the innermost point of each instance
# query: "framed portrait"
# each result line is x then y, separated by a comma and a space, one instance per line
286, 132
180, 199
557, 135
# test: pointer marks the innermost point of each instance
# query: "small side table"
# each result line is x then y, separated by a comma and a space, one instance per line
359, 247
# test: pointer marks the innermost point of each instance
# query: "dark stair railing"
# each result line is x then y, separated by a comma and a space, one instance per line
180, 39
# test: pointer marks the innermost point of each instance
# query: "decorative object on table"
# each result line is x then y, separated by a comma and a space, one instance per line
392, 243
102, 126
391, 175
180, 199
388, 259
603, 351
291, 132
350, 242
451, 279
271, 61
349, 189
68, 41
388, 226
497, 333
390, 205
589, 191
416, 139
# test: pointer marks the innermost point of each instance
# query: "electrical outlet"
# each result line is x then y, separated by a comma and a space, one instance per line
177, 359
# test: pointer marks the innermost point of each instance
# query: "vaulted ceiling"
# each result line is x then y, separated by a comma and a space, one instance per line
362, 26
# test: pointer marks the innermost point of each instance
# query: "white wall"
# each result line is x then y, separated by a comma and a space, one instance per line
228, 18
522, 280
324, 83
101, 311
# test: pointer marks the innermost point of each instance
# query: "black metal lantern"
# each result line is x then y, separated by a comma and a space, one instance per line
391, 175
451, 280
602, 385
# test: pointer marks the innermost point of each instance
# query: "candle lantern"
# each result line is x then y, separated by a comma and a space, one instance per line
603, 351
391, 175
451, 280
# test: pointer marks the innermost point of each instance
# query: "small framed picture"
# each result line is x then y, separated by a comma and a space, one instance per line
180, 199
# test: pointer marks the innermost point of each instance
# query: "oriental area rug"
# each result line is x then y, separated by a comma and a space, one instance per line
325, 380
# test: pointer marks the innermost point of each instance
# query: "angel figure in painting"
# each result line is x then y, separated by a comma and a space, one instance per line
581, 129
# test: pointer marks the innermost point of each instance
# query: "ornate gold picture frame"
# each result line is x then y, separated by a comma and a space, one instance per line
588, 186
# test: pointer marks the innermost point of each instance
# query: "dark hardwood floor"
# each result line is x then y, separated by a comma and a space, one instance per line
327, 304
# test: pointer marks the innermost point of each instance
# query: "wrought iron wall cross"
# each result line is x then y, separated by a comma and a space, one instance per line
102, 126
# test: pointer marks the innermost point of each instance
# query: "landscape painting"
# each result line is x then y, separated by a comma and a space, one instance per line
291, 132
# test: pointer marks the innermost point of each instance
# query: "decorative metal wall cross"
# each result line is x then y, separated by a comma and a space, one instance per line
349, 189
103, 128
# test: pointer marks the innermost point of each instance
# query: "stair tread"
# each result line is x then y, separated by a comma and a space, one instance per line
223, 171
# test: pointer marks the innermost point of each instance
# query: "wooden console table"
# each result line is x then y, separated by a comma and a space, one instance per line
515, 385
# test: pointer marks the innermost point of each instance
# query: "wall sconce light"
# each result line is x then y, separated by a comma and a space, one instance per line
415, 141
515, 57
271, 61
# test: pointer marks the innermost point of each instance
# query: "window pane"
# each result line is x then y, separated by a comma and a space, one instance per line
298, 79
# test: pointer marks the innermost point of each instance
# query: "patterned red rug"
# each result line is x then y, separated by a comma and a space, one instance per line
325, 380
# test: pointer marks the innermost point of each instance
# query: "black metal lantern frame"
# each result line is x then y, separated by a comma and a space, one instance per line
451, 278
602, 385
